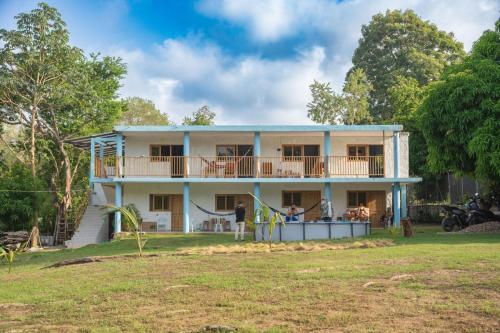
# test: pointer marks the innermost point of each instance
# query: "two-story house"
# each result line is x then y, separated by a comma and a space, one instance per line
168, 172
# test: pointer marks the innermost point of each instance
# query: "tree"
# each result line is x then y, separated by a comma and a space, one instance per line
401, 44
326, 106
203, 116
55, 93
140, 111
460, 117
356, 94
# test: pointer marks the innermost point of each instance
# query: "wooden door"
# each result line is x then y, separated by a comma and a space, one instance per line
310, 198
376, 201
247, 201
176, 212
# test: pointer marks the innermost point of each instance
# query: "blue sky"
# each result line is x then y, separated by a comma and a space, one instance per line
251, 61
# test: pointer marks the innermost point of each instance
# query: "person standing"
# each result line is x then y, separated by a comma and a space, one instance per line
239, 211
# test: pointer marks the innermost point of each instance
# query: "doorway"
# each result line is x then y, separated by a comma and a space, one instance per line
376, 202
311, 160
376, 161
177, 164
176, 211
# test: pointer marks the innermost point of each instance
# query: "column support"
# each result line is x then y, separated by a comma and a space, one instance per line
185, 208
395, 144
92, 160
327, 152
186, 149
256, 152
101, 158
118, 203
327, 189
256, 203
119, 153
404, 203
396, 204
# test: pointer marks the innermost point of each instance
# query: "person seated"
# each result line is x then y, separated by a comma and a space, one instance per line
362, 212
291, 213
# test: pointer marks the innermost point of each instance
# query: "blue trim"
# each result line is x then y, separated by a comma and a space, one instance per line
395, 145
118, 203
256, 192
185, 208
259, 128
187, 142
396, 204
259, 180
404, 204
256, 144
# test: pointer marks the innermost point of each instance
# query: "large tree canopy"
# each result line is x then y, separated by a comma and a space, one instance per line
460, 117
140, 111
53, 92
401, 44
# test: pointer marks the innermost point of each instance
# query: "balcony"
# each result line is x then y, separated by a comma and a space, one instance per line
239, 167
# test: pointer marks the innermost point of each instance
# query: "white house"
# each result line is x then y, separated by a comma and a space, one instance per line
169, 172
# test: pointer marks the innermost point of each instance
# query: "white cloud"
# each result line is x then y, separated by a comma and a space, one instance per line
182, 75
271, 20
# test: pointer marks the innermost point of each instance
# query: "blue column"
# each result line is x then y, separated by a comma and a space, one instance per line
256, 152
185, 208
92, 160
404, 204
256, 203
327, 152
118, 203
395, 144
101, 158
396, 197
186, 149
327, 189
119, 153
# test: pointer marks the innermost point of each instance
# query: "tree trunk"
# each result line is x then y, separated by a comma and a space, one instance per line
35, 239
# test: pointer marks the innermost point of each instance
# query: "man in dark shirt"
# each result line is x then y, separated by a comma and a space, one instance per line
240, 221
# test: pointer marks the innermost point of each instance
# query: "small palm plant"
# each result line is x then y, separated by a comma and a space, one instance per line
131, 216
9, 255
262, 214
394, 231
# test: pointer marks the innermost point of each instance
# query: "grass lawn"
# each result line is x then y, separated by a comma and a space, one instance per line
429, 283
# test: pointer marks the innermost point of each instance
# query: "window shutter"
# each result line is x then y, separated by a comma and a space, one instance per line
151, 207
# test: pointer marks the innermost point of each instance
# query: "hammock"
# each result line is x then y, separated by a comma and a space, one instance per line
273, 209
211, 213
301, 213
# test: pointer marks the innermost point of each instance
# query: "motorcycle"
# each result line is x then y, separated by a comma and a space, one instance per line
454, 218
479, 210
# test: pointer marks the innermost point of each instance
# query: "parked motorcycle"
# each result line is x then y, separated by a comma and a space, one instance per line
479, 210
454, 218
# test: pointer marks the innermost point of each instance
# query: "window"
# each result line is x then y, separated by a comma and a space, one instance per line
159, 153
159, 202
290, 197
225, 151
355, 198
225, 202
357, 152
293, 152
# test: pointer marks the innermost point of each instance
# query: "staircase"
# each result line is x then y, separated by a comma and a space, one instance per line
93, 228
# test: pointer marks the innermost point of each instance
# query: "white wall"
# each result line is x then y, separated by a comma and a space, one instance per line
204, 196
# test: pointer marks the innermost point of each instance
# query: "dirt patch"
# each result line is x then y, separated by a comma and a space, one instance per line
492, 227
280, 247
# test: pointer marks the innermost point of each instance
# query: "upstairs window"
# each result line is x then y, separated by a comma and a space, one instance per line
225, 202
293, 152
159, 202
357, 152
290, 197
159, 153
225, 151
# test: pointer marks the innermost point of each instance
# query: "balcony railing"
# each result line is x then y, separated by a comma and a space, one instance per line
239, 167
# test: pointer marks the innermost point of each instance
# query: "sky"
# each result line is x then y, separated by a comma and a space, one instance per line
250, 61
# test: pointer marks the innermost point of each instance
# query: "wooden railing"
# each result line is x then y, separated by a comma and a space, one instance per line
240, 167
